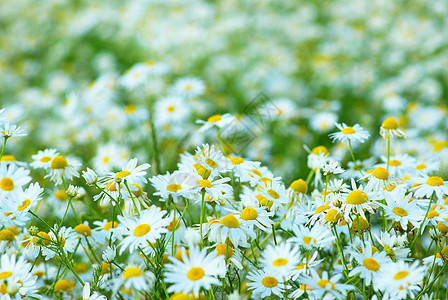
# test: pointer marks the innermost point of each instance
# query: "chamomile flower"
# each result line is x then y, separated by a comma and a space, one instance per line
273, 194
8, 130
12, 178
401, 280
178, 184
130, 172
332, 166
62, 167
222, 122
426, 186
242, 167
389, 129
393, 244
67, 240
326, 286
134, 277
104, 231
215, 189
139, 231
347, 133
189, 87
399, 208
316, 237
42, 160
229, 227
256, 216
265, 282
357, 200
282, 258
399, 165
212, 160
378, 179
197, 270
370, 263
305, 264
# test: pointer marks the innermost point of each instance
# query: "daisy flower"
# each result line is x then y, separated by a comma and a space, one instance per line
134, 277
86, 295
326, 286
242, 167
62, 167
401, 280
355, 133
305, 264
265, 282
171, 109
42, 160
273, 194
256, 216
12, 177
389, 129
21, 201
261, 174
316, 237
197, 270
215, 189
229, 227
15, 279
400, 209
427, 166
222, 122
139, 231
426, 186
10, 130
130, 172
212, 160
357, 200
282, 258
67, 239
178, 184
370, 263
189, 87
332, 166
104, 231
399, 165
378, 179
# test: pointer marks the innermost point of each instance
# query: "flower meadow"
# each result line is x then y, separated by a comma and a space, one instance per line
223, 150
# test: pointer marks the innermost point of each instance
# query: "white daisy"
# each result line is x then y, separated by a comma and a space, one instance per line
222, 122
357, 200
400, 209
347, 133
316, 237
265, 283
426, 186
282, 258
325, 285
42, 160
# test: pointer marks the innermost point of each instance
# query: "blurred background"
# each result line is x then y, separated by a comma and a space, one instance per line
90, 78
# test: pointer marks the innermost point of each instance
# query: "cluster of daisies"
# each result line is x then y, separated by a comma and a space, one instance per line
224, 227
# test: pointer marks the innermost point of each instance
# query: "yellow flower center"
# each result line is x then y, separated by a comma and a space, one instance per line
179, 256
432, 214
356, 197
434, 181
299, 186
400, 211
319, 149
42, 238
214, 119
442, 227
8, 158
83, 230
230, 221
131, 272
348, 130
401, 275
205, 183
363, 224
141, 230
60, 195
307, 240
323, 283
24, 205
6, 274
390, 124
59, 162
249, 213
269, 282
6, 235
237, 161
122, 174
421, 167
108, 225
273, 194
279, 262
195, 273
7, 184
222, 250
371, 264
45, 159
301, 266
174, 187
380, 173
171, 108
64, 285
211, 163
394, 163
322, 208
332, 216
